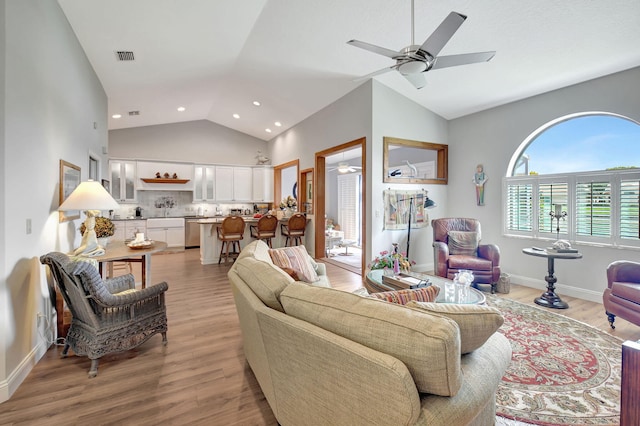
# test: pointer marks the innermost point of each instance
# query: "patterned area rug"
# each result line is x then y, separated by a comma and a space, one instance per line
562, 372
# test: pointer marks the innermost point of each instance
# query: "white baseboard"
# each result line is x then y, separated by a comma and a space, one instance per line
17, 376
580, 293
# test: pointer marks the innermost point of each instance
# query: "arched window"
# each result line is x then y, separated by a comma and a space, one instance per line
587, 165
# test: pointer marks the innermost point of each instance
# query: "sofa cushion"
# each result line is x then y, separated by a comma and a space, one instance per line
264, 278
463, 242
295, 258
257, 249
401, 297
428, 345
477, 323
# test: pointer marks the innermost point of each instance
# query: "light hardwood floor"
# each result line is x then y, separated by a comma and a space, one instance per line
201, 376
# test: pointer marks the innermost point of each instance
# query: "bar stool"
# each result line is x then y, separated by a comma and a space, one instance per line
294, 229
231, 231
265, 229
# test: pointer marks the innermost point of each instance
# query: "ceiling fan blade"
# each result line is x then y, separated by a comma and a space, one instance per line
375, 49
373, 74
417, 80
462, 59
436, 41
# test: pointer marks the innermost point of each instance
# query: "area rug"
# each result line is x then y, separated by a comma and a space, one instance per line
562, 372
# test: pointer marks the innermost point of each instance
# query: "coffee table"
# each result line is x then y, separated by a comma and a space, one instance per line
374, 284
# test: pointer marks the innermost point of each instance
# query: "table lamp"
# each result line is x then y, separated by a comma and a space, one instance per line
91, 197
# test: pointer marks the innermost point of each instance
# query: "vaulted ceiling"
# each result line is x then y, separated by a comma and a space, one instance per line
214, 58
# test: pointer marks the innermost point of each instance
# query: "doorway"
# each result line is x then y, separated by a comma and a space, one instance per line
341, 202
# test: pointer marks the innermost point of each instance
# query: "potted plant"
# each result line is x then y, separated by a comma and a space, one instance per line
104, 229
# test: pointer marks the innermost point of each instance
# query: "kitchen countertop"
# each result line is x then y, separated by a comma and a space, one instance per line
177, 217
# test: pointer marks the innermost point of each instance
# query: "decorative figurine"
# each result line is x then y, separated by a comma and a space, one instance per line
166, 175
479, 179
158, 175
175, 176
261, 159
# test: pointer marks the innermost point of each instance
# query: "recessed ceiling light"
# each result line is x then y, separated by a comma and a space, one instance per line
181, 109
116, 116
278, 124
236, 115
268, 130
256, 103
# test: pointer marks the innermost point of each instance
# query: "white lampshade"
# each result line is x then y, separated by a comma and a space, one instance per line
89, 195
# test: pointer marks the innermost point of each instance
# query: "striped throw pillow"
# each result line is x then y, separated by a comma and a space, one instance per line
402, 297
297, 259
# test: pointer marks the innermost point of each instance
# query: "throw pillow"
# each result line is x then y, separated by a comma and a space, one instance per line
476, 322
402, 297
295, 258
429, 345
463, 242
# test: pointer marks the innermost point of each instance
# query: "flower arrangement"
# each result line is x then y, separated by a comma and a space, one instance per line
289, 203
387, 259
104, 227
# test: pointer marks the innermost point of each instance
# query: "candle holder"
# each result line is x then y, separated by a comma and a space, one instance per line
557, 214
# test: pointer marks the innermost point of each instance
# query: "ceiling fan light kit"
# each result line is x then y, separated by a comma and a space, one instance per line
414, 60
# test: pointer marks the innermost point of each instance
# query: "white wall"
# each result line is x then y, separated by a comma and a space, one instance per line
52, 98
491, 137
398, 117
193, 141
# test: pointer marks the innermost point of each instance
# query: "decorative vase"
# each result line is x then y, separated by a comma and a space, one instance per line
103, 241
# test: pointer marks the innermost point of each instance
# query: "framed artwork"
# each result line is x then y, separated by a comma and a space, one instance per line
69, 180
107, 185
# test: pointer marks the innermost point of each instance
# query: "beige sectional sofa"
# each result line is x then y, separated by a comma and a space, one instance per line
329, 357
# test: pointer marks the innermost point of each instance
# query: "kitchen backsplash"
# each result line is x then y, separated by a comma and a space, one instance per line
175, 203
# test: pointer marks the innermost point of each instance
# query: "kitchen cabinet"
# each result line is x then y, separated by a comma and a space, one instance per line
169, 230
263, 184
233, 183
224, 183
204, 178
242, 183
123, 177
127, 229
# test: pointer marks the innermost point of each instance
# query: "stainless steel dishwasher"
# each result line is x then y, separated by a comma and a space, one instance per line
192, 232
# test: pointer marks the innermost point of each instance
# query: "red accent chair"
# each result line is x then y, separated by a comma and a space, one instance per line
622, 295
456, 245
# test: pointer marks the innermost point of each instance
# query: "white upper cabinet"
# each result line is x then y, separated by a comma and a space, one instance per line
123, 176
233, 183
224, 183
263, 184
242, 183
204, 178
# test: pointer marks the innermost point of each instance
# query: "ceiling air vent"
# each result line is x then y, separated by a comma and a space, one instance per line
124, 55
134, 112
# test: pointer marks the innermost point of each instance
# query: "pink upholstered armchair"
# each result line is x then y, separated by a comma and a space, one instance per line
456, 245
622, 295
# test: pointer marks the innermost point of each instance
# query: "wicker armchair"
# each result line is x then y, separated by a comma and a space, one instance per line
108, 315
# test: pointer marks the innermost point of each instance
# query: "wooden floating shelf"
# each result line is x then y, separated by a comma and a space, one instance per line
164, 180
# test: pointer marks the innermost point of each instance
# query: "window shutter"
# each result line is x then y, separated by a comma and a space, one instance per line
550, 194
349, 205
629, 207
593, 209
519, 207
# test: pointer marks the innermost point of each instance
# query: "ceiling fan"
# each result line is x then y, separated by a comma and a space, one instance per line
345, 168
414, 60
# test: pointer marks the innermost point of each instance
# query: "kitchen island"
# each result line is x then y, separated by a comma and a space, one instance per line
210, 245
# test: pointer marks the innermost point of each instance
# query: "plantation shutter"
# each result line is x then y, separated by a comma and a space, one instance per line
550, 194
519, 213
348, 205
629, 208
593, 209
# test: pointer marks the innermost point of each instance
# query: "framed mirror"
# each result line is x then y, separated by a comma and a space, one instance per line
407, 161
